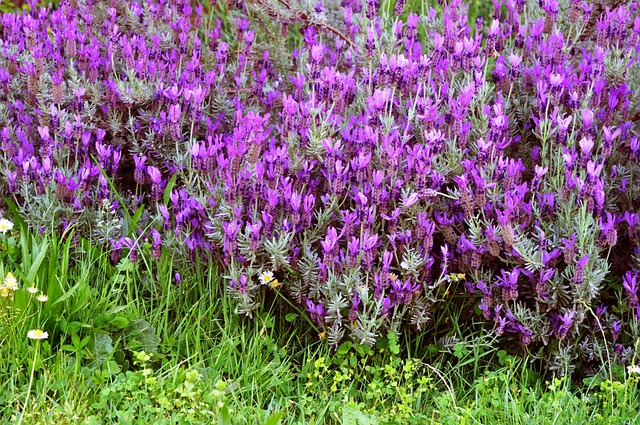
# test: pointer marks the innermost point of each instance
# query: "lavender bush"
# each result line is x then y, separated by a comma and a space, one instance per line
388, 160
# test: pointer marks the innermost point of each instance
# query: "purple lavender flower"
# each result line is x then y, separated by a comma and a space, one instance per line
403, 292
353, 311
630, 284
156, 244
562, 323
156, 182
317, 312
578, 276
616, 327
508, 281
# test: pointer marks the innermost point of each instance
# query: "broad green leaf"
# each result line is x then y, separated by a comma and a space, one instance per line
119, 322
291, 317
143, 336
224, 418
273, 419
102, 347
73, 327
344, 348
125, 265
354, 416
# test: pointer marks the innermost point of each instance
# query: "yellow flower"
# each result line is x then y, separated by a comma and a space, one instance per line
274, 283
5, 225
37, 334
32, 290
10, 282
42, 297
4, 291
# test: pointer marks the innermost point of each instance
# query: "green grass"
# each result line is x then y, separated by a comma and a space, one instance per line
128, 345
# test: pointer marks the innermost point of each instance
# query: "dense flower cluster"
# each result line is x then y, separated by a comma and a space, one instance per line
388, 153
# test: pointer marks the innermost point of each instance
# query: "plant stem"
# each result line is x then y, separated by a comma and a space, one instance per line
33, 369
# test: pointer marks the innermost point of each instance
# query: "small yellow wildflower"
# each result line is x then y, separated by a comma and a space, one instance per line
5, 225
42, 297
37, 334
32, 290
274, 283
4, 291
322, 335
10, 282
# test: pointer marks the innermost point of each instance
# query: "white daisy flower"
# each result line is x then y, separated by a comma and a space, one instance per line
10, 282
633, 370
5, 225
266, 277
37, 334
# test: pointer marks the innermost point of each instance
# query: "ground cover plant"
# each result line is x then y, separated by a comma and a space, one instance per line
180, 354
393, 170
